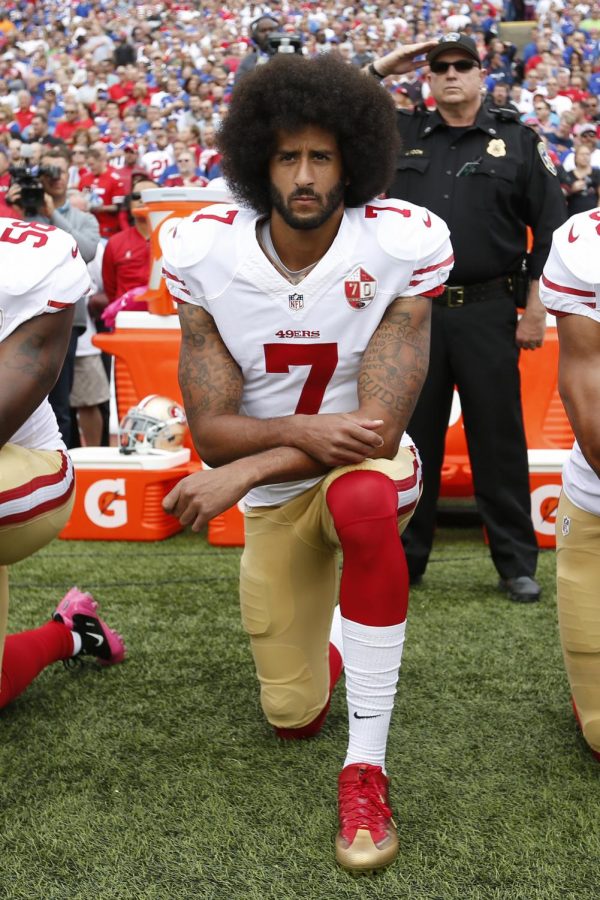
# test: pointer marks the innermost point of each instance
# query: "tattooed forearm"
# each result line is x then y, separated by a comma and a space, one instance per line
209, 378
395, 363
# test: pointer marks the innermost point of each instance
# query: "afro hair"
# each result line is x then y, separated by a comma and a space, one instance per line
292, 92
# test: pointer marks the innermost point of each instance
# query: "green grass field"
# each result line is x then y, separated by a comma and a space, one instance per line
159, 778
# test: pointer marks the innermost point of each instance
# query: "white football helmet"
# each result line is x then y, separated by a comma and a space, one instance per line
156, 423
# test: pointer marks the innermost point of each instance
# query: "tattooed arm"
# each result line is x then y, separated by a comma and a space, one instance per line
394, 367
293, 447
211, 384
30, 362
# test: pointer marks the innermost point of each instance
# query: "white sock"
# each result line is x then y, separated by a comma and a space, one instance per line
335, 635
77, 643
372, 657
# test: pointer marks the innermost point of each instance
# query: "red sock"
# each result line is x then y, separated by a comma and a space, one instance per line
374, 583
26, 654
335, 670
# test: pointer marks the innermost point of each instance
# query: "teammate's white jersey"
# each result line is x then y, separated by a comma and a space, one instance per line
570, 284
41, 271
299, 347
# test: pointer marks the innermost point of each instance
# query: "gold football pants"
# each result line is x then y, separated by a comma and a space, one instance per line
288, 590
27, 530
578, 595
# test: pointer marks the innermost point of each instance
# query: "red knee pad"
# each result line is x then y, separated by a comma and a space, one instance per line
374, 585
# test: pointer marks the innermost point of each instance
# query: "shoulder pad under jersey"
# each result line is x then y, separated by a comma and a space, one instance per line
43, 260
577, 242
185, 242
403, 228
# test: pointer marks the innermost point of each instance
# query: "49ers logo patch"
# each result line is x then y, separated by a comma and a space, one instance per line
360, 288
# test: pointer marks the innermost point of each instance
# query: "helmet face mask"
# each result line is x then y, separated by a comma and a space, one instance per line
157, 424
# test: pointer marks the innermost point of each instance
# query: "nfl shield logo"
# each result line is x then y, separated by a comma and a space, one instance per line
296, 301
360, 288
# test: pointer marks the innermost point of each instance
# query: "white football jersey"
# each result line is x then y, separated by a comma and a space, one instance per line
156, 161
570, 285
41, 271
299, 347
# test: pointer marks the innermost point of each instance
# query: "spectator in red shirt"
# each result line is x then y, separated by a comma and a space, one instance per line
126, 260
131, 153
23, 113
106, 192
71, 122
121, 92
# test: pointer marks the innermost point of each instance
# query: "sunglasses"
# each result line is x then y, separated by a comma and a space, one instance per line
135, 195
438, 67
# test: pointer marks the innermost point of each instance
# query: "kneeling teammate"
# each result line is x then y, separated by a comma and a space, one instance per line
305, 340
570, 289
42, 276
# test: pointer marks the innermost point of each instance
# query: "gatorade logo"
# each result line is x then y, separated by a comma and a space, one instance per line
105, 504
544, 503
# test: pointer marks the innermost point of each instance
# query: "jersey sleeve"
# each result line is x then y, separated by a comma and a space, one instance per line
179, 263
197, 252
570, 282
69, 280
433, 266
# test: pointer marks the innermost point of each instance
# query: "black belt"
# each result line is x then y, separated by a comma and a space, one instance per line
460, 295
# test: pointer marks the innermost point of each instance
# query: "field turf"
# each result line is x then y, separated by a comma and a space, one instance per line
159, 779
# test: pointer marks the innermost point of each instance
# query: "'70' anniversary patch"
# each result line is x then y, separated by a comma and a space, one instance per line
360, 288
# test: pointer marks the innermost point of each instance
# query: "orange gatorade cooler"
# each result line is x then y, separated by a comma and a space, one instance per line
119, 497
146, 351
164, 208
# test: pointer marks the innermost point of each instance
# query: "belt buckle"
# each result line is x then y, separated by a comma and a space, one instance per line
455, 296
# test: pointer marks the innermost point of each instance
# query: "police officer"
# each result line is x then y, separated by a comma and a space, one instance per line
488, 176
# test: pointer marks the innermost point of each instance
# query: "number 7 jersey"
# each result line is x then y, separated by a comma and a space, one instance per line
300, 347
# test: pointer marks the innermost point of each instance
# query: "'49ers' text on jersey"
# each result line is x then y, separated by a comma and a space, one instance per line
299, 347
42, 272
570, 285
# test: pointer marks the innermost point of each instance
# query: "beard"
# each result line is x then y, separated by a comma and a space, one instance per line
328, 205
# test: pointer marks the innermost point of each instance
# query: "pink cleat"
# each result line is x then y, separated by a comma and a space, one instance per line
79, 612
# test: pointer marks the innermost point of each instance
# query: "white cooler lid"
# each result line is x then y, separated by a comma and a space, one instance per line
111, 458
547, 460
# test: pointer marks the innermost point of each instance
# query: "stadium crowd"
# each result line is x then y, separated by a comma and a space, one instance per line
140, 90
126, 93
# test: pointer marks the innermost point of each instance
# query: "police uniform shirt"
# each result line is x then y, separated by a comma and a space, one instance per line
488, 182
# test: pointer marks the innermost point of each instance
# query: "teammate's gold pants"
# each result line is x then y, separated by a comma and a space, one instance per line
18, 540
578, 595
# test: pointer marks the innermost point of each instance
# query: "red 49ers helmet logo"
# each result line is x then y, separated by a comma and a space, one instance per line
360, 288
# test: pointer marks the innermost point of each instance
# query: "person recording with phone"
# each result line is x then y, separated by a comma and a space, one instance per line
489, 177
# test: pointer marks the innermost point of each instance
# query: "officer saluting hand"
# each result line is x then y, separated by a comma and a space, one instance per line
488, 176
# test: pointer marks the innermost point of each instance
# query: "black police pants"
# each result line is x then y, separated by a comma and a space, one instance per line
473, 347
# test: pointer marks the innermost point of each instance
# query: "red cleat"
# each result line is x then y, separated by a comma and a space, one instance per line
367, 838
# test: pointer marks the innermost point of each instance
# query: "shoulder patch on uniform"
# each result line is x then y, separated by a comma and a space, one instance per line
544, 156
